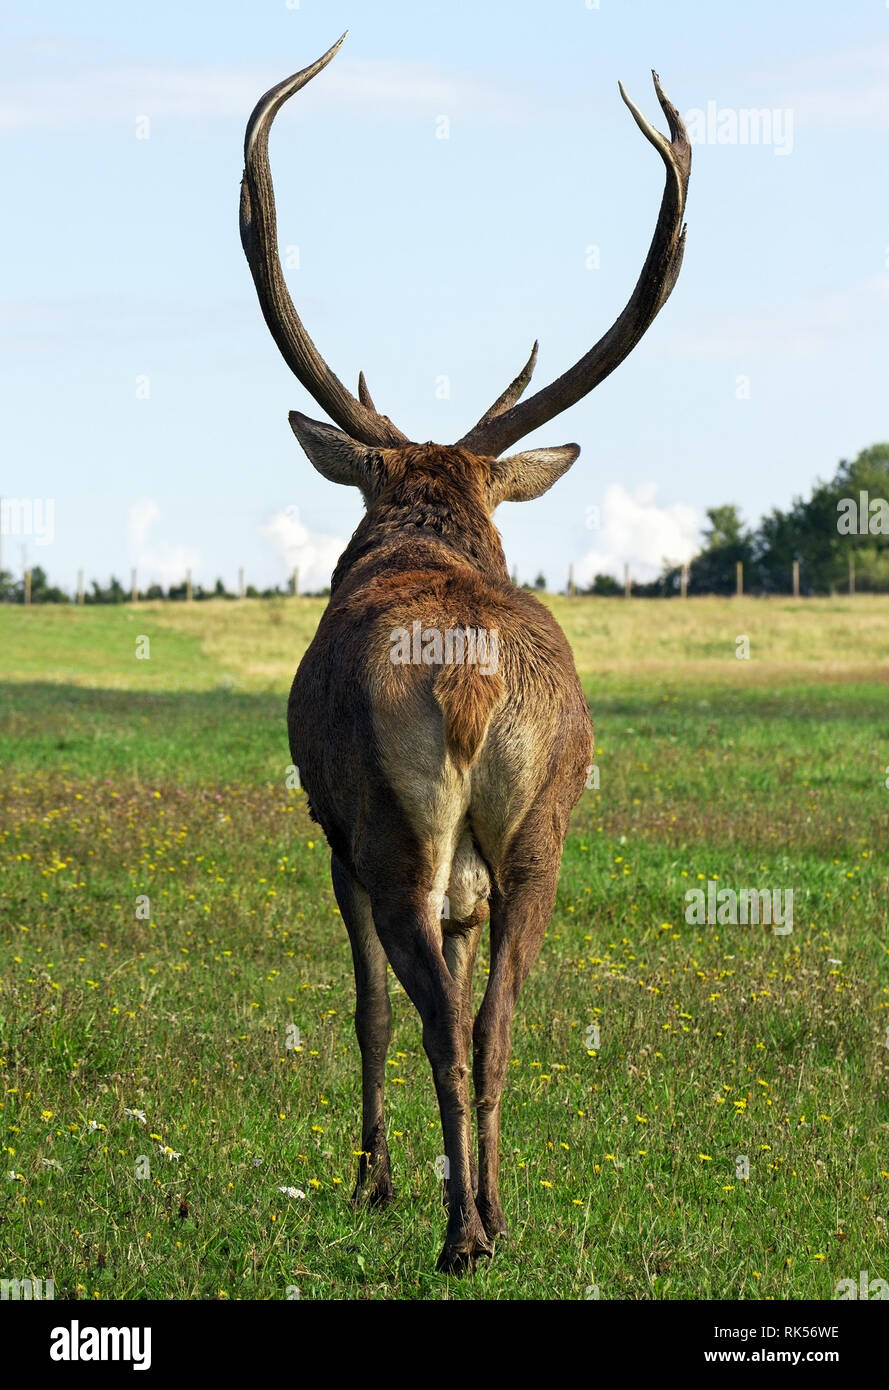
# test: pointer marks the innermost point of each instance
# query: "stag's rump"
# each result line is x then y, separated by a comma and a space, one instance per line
449, 739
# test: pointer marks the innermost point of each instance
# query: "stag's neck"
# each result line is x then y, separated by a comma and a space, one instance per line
411, 538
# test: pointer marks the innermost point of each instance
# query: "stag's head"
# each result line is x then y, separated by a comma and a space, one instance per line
367, 450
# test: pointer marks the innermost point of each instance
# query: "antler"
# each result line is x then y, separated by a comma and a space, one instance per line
259, 237
507, 422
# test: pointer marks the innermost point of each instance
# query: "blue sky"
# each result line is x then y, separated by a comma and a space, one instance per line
423, 258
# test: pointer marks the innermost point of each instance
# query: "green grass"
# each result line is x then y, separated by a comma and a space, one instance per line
165, 778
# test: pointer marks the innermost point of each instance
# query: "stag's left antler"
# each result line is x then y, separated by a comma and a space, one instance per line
506, 422
259, 237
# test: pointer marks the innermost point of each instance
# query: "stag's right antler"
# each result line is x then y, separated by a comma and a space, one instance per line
506, 422
259, 237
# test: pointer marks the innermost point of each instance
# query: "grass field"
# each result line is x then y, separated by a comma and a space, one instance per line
152, 1109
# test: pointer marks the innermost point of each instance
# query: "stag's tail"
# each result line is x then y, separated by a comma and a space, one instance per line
468, 696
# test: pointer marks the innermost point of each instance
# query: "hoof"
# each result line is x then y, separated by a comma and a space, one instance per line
493, 1220
459, 1257
373, 1194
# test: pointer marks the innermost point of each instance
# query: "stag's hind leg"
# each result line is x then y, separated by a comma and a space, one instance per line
519, 917
411, 935
373, 1025
459, 945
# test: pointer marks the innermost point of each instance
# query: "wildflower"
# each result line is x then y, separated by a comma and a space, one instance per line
292, 1191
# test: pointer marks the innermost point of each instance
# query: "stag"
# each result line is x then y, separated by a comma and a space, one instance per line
444, 787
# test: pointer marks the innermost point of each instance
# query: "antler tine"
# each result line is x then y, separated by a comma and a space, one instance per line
259, 237
498, 431
514, 390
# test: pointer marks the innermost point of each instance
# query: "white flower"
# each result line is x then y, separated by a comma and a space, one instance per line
52, 1163
171, 1153
292, 1191
136, 1114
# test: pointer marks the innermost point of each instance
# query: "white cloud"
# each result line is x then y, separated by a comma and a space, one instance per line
156, 561
633, 530
314, 554
112, 93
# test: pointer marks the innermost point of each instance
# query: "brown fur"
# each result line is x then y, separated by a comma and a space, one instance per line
444, 792
467, 699
439, 784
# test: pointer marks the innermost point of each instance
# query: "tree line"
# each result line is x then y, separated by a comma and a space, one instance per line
846, 516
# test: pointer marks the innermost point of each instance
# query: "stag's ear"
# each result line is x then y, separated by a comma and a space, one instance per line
522, 477
337, 456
